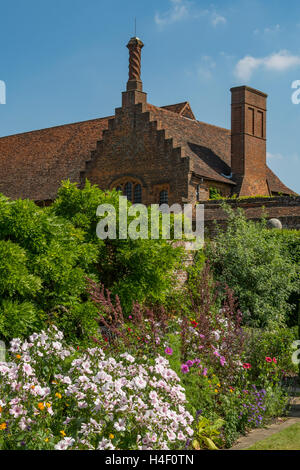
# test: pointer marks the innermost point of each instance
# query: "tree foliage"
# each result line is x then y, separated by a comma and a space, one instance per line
137, 270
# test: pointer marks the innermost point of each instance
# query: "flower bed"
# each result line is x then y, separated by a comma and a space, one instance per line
53, 397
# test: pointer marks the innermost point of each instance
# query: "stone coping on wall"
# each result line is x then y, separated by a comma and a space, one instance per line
278, 206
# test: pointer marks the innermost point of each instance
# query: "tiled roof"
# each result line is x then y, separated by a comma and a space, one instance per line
208, 146
275, 185
33, 164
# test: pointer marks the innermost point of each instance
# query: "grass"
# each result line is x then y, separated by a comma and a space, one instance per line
288, 439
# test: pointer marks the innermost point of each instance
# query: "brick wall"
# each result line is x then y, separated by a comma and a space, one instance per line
134, 148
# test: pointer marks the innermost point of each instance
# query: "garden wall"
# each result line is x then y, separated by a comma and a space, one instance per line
284, 208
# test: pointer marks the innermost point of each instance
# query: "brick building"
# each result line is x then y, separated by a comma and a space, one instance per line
152, 154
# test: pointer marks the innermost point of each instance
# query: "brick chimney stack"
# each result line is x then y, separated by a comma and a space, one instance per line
248, 141
134, 92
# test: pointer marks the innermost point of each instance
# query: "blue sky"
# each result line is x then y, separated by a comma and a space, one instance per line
65, 61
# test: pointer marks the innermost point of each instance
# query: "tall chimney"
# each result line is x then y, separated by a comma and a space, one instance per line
134, 91
248, 141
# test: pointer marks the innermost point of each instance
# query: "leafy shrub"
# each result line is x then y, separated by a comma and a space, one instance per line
44, 263
49, 252
275, 344
254, 265
289, 240
214, 193
208, 434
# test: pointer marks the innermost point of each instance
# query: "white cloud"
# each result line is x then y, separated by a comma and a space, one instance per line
268, 30
179, 10
278, 62
273, 29
218, 19
184, 9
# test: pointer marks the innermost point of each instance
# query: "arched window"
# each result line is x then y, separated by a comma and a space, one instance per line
137, 194
119, 188
163, 197
128, 191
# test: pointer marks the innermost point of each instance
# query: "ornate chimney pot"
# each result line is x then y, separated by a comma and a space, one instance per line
134, 92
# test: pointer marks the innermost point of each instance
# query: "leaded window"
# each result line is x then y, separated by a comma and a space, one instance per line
163, 197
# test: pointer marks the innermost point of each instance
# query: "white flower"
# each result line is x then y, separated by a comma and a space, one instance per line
128, 357
105, 444
27, 369
64, 444
140, 382
120, 425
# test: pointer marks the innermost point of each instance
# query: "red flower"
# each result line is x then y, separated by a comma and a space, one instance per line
247, 365
274, 360
268, 359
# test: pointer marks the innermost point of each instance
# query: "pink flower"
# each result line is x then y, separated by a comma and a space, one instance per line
247, 366
184, 369
204, 371
268, 359
169, 351
274, 360
222, 360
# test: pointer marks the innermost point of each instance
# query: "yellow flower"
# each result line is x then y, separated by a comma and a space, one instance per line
41, 406
18, 356
231, 391
58, 395
62, 433
111, 436
216, 391
48, 405
1, 409
46, 440
218, 385
2, 426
